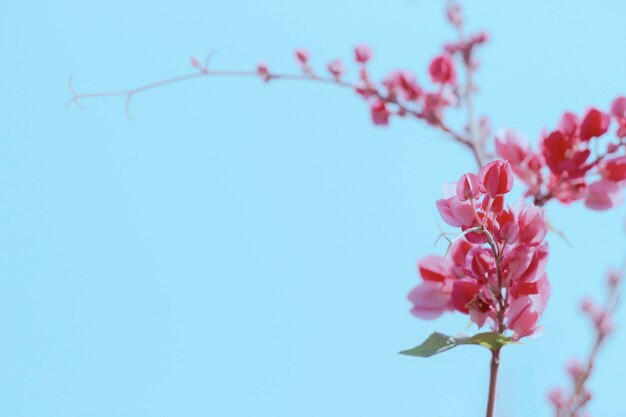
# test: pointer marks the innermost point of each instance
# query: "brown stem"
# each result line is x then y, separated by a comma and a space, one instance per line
206, 72
493, 382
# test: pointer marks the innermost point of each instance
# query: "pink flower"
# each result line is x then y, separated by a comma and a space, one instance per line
430, 300
380, 113
603, 195
574, 368
614, 169
469, 186
519, 260
524, 314
458, 252
362, 54
463, 292
558, 398
512, 146
555, 147
497, 178
336, 68
442, 69
532, 225
403, 83
618, 109
568, 124
434, 268
594, 124
501, 251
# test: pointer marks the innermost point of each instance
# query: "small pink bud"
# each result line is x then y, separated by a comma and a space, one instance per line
336, 68
557, 398
362, 54
454, 13
441, 69
587, 306
574, 368
614, 277
263, 72
195, 62
302, 55
481, 37
380, 113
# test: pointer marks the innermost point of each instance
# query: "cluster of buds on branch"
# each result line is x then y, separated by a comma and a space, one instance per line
573, 403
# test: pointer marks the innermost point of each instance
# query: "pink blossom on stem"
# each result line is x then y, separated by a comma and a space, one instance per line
512, 146
263, 71
469, 186
302, 55
603, 195
573, 403
336, 69
430, 300
570, 159
495, 271
403, 83
618, 109
362, 54
454, 13
442, 70
614, 169
497, 178
380, 113
594, 124
434, 268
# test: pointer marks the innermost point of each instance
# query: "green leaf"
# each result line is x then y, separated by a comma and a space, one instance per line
490, 340
436, 343
439, 342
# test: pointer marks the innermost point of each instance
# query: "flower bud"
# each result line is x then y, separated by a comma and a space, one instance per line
442, 69
362, 54
497, 178
594, 124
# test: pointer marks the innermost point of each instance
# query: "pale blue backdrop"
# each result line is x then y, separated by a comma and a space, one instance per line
244, 250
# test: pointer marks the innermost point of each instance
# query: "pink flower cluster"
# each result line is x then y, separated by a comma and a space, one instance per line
495, 271
573, 162
399, 93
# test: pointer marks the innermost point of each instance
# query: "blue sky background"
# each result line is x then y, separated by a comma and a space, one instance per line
244, 250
